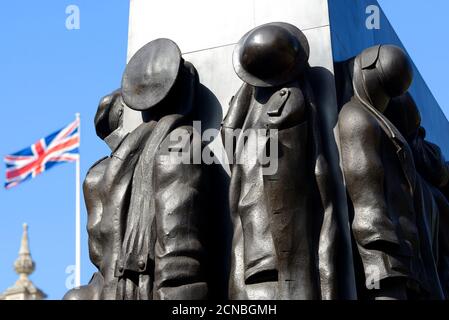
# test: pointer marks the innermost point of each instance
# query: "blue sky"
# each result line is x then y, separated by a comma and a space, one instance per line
49, 73
422, 26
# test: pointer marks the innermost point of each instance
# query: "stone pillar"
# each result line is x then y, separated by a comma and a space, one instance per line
207, 31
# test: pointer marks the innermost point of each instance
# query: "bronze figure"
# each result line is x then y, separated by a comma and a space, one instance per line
102, 238
153, 232
162, 250
380, 175
282, 220
431, 205
144, 205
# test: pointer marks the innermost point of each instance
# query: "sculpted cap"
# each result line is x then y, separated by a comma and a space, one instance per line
271, 55
150, 74
109, 114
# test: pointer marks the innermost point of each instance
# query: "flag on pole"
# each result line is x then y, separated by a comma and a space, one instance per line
57, 148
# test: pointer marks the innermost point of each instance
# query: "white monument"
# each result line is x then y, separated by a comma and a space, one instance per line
206, 31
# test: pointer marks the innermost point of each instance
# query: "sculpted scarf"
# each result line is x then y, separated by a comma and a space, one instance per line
139, 237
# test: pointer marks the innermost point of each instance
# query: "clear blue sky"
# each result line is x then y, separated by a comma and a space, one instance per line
48, 73
422, 26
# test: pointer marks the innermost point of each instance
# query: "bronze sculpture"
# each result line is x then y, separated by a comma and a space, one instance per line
108, 125
149, 214
380, 175
282, 221
161, 254
150, 202
431, 205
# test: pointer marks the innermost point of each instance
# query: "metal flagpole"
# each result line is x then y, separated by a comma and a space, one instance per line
78, 214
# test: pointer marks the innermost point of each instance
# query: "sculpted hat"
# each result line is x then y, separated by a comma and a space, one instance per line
271, 55
150, 74
109, 114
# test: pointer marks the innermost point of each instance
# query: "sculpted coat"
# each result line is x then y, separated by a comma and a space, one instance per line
285, 235
431, 205
161, 250
382, 181
144, 203
104, 237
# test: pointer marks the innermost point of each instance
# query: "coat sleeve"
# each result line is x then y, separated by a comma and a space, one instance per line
235, 118
178, 249
364, 175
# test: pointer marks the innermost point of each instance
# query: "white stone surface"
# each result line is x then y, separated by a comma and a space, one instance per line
305, 14
207, 30
193, 25
201, 24
216, 72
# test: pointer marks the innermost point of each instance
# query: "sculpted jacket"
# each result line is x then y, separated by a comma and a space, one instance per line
161, 255
104, 237
285, 235
145, 208
388, 197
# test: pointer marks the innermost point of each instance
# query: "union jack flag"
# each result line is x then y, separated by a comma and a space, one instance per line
59, 147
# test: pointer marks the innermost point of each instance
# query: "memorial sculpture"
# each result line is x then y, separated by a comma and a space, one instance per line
381, 177
432, 205
149, 212
148, 231
102, 240
283, 221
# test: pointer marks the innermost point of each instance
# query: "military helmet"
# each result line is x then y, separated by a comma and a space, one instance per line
392, 69
271, 55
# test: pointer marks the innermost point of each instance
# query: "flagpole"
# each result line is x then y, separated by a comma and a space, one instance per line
78, 214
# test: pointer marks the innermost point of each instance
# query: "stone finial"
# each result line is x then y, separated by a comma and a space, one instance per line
23, 289
24, 264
